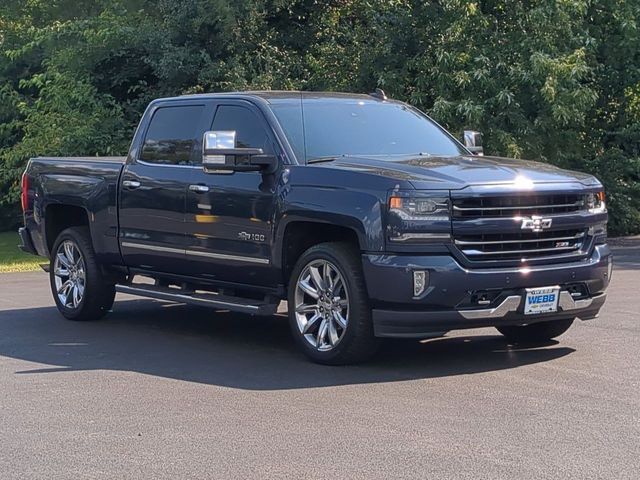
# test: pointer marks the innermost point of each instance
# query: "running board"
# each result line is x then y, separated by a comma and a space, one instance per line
212, 300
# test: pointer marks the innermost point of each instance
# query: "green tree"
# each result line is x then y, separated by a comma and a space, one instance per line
557, 81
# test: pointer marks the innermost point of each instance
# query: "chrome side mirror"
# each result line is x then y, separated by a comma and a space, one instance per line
221, 139
218, 151
220, 155
473, 142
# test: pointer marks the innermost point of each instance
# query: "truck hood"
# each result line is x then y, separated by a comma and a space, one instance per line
426, 172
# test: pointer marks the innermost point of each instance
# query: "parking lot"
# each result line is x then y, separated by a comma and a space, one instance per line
170, 391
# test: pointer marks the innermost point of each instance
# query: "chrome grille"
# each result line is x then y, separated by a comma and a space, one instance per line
521, 246
492, 229
514, 206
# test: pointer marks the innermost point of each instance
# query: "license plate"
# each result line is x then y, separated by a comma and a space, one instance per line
541, 300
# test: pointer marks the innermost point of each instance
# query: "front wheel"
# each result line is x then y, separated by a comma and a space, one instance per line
329, 310
536, 332
77, 283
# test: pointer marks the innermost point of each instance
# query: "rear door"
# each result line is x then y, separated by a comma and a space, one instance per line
154, 185
230, 216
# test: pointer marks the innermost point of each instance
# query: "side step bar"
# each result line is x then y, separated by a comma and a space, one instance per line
212, 300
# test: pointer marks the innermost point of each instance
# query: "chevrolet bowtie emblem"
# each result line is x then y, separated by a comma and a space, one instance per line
536, 224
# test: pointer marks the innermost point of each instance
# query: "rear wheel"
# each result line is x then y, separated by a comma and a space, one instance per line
77, 283
329, 311
536, 332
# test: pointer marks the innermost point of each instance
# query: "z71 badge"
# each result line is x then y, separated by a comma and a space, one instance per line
254, 237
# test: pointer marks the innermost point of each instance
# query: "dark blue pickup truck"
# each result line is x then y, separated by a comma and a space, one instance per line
363, 213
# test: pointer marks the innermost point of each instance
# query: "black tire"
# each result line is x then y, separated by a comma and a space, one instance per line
536, 332
99, 294
357, 342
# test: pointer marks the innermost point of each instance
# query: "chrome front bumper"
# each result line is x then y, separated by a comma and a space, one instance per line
566, 303
510, 311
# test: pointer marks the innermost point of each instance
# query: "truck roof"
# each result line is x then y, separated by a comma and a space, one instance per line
273, 96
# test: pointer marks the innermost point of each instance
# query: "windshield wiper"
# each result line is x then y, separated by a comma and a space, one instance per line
331, 158
322, 159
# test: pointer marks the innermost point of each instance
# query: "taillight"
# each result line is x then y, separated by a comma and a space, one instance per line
24, 195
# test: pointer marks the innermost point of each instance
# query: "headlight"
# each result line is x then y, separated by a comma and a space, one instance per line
419, 217
595, 202
419, 208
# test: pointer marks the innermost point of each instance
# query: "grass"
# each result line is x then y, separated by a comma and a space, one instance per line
12, 259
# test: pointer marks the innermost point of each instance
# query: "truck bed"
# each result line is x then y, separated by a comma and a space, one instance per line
88, 183
120, 160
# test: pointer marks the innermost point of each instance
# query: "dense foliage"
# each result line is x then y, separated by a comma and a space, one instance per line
556, 80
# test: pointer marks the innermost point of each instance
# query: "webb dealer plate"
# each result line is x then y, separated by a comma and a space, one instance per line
541, 300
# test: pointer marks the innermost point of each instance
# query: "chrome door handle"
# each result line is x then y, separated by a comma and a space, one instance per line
130, 183
199, 188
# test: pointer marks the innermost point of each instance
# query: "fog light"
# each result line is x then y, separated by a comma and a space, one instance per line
420, 282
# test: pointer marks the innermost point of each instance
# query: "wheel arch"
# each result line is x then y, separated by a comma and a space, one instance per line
59, 217
300, 235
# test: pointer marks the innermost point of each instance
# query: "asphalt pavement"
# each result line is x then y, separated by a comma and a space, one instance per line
159, 391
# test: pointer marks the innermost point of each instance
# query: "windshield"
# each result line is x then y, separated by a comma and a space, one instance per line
355, 127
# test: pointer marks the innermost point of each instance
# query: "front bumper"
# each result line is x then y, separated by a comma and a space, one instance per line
449, 302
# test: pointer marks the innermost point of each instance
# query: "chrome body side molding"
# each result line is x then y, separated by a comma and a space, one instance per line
222, 256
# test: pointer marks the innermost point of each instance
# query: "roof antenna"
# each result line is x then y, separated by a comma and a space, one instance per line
379, 93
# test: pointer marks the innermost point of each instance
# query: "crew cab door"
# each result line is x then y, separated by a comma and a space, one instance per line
153, 187
230, 215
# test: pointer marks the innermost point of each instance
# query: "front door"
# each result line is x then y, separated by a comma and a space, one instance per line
153, 189
230, 215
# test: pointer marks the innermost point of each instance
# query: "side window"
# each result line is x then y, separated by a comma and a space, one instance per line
171, 135
250, 132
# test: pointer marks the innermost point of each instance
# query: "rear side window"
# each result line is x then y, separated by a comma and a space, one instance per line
172, 135
250, 131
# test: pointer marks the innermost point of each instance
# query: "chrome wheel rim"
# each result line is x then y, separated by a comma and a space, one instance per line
69, 274
321, 305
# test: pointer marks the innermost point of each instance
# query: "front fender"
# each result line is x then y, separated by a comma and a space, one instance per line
356, 210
